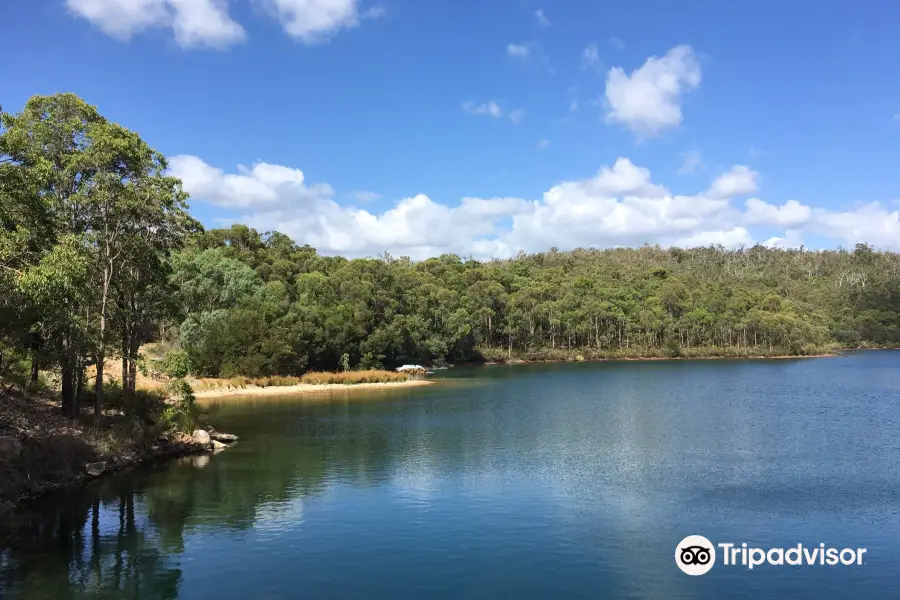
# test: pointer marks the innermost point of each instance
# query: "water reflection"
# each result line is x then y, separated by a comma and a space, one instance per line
538, 481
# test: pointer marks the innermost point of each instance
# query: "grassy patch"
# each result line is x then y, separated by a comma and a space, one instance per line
313, 378
354, 377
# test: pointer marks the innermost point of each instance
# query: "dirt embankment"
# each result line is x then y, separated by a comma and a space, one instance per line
42, 450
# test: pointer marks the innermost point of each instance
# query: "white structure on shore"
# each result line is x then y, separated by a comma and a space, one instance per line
411, 369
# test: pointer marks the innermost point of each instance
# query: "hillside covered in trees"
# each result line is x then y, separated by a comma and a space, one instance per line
98, 255
255, 304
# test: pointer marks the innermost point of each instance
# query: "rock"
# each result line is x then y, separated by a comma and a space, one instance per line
225, 438
217, 445
200, 437
95, 469
10, 448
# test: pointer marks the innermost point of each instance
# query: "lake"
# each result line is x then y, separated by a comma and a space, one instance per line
527, 481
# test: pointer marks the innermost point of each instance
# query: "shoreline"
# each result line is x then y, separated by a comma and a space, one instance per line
523, 361
304, 388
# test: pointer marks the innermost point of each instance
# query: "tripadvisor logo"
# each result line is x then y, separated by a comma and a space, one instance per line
696, 555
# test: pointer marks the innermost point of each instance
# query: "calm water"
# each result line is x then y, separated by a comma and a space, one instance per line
538, 481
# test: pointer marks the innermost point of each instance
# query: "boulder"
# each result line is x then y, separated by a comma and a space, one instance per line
225, 438
217, 445
10, 448
95, 469
200, 437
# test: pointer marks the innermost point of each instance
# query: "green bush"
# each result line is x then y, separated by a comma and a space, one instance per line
182, 413
176, 364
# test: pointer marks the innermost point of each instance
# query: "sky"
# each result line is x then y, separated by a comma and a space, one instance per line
485, 128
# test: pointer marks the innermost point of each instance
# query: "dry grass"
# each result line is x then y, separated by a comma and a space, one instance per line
314, 378
354, 377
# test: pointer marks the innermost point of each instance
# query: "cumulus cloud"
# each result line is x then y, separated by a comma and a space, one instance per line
790, 214
870, 223
194, 23
542, 19
198, 23
738, 181
315, 21
649, 100
620, 205
263, 186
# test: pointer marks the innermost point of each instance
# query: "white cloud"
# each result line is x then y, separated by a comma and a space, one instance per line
517, 116
790, 214
693, 161
870, 223
619, 206
491, 109
542, 19
793, 238
590, 57
518, 50
194, 23
315, 21
738, 181
649, 100
543, 144
262, 186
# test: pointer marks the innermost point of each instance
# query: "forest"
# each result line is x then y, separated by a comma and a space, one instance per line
99, 256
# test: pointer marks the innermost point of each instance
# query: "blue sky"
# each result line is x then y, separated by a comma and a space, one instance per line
425, 127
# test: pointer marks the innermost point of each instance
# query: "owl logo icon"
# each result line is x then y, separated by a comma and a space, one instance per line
695, 555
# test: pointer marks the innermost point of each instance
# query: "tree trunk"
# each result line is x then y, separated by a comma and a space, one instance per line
98, 381
132, 364
126, 349
101, 351
67, 368
34, 366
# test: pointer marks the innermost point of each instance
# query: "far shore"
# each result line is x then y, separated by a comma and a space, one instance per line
304, 388
522, 361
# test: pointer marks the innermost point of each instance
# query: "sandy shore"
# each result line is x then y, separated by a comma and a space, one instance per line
304, 388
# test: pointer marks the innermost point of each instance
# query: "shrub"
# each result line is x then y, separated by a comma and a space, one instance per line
182, 413
176, 364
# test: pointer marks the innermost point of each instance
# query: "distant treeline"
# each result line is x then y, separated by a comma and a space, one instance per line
98, 255
256, 304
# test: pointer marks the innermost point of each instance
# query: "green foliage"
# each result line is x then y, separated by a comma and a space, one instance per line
89, 219
98, 254
593, 303
176, 364
181, 413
